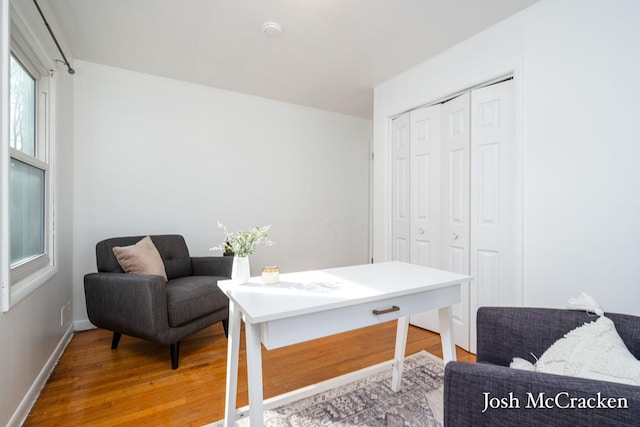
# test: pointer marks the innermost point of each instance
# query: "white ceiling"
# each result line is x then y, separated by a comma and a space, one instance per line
330, 54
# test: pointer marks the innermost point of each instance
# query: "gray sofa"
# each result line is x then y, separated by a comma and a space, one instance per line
504, 333
147, 306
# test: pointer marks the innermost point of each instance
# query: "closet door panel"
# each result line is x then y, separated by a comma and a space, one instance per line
453, 210
494, 249
426, 125
455, 203
401, 194
425, 186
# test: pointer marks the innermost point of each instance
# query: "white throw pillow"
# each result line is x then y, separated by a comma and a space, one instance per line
593, 350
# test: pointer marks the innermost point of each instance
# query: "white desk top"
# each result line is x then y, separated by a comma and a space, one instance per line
312, 291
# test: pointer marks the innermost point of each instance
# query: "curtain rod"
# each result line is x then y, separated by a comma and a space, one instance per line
71, 70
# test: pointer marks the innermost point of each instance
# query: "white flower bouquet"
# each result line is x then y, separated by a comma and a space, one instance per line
243, 242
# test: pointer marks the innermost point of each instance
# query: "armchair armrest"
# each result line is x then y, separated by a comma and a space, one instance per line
507, 332
212, 266
543, 399
132, 304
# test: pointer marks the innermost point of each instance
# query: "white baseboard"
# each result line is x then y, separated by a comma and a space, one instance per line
19, 416
83, 325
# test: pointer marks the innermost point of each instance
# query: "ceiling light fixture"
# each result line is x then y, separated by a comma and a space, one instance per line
271, 28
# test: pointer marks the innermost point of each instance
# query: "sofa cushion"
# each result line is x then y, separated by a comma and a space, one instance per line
189, 298
140, 258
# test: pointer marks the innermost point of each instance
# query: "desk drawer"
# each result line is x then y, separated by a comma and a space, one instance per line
293, 330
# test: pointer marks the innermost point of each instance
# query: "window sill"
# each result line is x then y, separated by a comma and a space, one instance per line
30, 284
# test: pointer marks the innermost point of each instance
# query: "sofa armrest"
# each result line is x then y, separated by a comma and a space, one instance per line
212, 266
132, 304
507, 332
470, 391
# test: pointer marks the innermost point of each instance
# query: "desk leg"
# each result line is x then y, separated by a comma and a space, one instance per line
446, 334
233, 350
401, 345
254, 374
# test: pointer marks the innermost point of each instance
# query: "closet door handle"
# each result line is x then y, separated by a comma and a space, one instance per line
454, 236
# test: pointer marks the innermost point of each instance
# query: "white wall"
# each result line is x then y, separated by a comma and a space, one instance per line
154, 155
31, 337
580, 61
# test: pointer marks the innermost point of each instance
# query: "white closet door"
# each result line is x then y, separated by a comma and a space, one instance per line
494, 249
454, 211
426, 125
401, 203
425, 186
475, 216
455, 203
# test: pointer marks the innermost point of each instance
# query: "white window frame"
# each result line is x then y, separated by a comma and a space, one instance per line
32, 265
23, 279
4, 153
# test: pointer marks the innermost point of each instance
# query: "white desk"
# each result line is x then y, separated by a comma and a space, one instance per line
313, 304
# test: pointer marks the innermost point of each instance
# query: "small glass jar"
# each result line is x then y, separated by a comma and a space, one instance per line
270, 275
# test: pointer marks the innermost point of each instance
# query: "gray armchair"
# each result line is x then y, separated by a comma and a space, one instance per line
147, 306
504, 333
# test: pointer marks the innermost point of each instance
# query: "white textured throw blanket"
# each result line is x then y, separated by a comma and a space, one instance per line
593, 350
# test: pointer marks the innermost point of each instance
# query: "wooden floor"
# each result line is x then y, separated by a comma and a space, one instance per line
93, 385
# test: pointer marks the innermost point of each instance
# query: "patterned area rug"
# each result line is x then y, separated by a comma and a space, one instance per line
370, 401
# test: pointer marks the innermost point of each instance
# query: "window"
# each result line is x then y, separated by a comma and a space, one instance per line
28, 171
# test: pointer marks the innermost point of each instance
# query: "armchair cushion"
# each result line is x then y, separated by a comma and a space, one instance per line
140, 258
172, 248
175, 255
189, 298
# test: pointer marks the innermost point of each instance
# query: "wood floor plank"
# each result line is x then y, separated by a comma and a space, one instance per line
93, 385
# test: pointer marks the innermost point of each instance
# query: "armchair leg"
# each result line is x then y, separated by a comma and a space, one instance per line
175, 353
225, 326
116, 340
